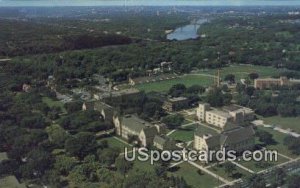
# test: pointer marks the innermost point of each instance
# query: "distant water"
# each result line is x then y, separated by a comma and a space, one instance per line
186, 32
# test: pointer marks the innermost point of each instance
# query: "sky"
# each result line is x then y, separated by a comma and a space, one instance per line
149, 2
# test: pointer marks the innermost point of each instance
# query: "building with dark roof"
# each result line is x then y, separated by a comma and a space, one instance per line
237, 138
132, 126
163, 142
174, 104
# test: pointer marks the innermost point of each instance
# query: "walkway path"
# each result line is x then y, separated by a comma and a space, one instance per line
122, 141
242, 167
209, 172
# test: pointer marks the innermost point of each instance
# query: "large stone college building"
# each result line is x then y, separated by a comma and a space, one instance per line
220, 117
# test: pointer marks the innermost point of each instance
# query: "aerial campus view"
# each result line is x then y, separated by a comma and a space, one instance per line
142, 94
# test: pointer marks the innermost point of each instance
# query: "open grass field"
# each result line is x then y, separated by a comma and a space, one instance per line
279, 146
10, 182
3, 156
205, 77
258, 166
50, 102
284, 122
220, 170
187, 80
193, 179
242, 71
187, 133
114, 143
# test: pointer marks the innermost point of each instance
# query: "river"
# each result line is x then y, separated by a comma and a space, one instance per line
187, 32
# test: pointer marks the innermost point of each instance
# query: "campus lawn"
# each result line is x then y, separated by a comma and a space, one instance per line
113, 142
143, 165
242, 71
50, 102
184, 134
192, 178
279, 146
258, 166
284, 122
187, 133
238, 173
187, 80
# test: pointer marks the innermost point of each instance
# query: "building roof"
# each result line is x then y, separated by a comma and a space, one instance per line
236, 108
150, 131
176, 99
119, 93
135, 123
213, 141
162, 140
220, 112
232, 107
98, 105
159, 140
237, 135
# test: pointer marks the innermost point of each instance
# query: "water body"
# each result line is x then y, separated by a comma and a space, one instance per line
186, 32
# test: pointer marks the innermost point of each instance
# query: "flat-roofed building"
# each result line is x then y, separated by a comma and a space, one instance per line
267, 83
221, 116
174, 104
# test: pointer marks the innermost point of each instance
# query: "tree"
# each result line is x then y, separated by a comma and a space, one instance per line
173, 121
72, 107
293, 181
280, 175
123, 165
177, 90
195, 89
253, 76
37, 162
229, 168
215, 97
108, 155
230, 78
293, 144
35, 121
256, 181
57, 135
81, 144
265, 137
64, 164
250, 90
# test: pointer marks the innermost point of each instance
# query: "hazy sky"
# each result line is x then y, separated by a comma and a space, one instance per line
148, 2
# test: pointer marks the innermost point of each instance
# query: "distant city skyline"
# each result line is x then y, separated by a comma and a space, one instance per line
149, 3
